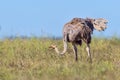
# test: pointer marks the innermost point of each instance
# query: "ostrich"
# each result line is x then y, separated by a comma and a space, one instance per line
78, 30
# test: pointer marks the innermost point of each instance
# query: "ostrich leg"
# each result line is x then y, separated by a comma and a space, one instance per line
88, 51
75, 51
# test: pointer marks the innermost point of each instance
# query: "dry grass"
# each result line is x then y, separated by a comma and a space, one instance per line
31, 59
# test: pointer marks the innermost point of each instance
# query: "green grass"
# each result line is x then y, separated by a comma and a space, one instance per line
31, 59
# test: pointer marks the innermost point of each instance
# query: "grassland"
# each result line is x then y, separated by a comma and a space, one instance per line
31, 59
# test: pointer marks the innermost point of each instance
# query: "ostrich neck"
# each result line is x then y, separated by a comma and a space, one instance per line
65, 48
57, 51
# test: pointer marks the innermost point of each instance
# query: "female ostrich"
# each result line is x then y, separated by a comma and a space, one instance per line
78, 30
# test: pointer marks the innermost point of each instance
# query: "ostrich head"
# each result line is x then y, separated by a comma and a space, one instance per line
52, 46
100, 24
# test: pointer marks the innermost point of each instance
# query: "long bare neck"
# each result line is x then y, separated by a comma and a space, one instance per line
57, 51
65, 48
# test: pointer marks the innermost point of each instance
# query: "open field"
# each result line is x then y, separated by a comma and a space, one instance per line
31, 59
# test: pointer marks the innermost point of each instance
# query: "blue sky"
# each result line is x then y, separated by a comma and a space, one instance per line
47, 17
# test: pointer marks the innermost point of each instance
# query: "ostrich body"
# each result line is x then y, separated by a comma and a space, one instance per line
78, 30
